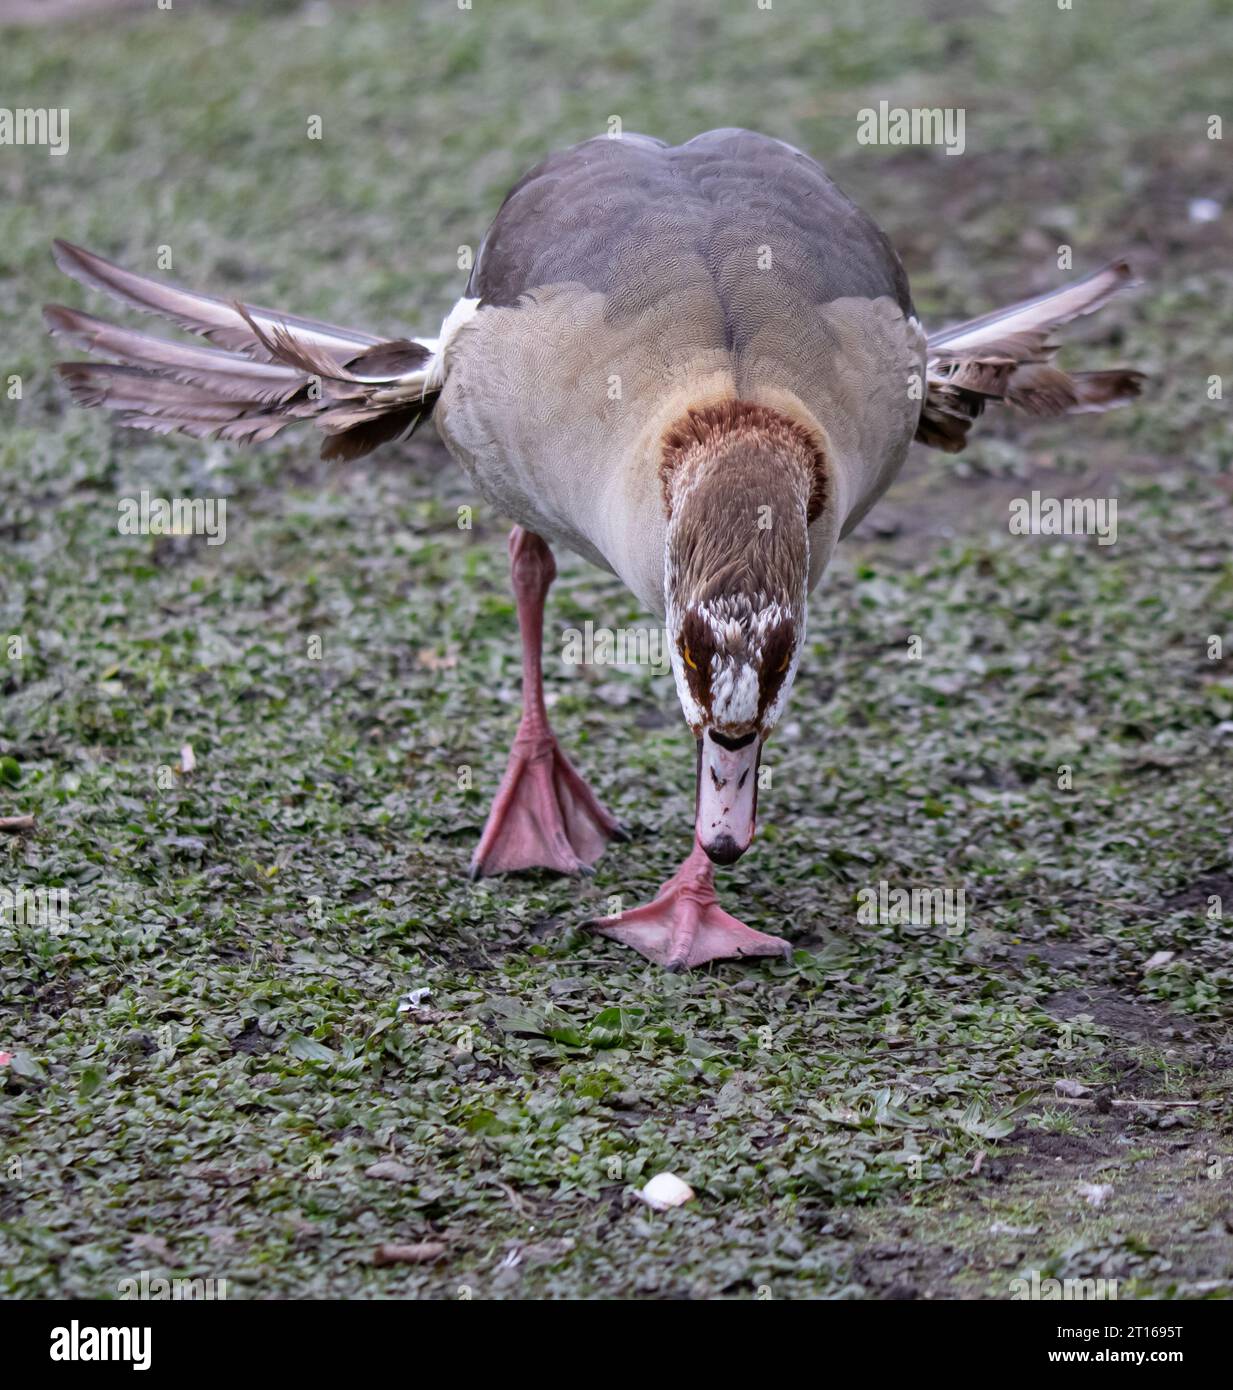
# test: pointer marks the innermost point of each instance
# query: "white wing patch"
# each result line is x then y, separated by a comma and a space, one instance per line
462, 313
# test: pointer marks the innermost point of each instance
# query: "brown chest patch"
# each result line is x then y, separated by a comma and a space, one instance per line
747, 435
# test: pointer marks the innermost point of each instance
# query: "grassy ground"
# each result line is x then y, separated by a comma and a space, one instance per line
210, 1062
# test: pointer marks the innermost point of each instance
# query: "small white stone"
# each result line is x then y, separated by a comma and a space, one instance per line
666, 1190
1095, 1194
1066, 1087
1156, 961
411, 1001
1204, 209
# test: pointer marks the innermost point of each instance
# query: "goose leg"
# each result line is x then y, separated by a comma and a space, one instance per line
544, 814
685, 926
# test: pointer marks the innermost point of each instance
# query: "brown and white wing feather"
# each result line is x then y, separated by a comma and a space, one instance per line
228, 325
241, 379
1006, 357
266, 370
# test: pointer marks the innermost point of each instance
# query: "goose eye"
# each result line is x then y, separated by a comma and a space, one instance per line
689, 660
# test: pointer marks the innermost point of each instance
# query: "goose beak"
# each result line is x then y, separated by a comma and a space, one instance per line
727, 801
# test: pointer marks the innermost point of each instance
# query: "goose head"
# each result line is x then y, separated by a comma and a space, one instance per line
739, 485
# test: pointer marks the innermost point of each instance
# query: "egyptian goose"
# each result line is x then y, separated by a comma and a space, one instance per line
697, 366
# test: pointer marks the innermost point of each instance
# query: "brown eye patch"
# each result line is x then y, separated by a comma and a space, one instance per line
776, 657
697, 648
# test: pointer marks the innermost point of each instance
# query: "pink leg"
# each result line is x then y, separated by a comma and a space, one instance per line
685, 925
544, 814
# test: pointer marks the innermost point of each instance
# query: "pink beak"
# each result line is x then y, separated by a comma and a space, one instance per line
727, 801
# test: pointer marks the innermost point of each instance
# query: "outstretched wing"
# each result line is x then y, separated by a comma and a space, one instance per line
1006, 356
266, 370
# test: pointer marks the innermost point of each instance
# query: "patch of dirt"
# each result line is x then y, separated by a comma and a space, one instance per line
252, 1041
52, 999
927, 505
1087, 1186
1071, 955
1197, 893
1125, 1194
1043, 1147
1131, 1019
